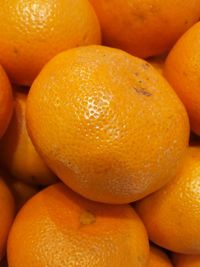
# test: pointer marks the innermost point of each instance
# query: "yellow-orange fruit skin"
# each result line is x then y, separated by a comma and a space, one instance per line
33, 31
6, 101
182, 70
145, 28
171, 215
59, 228
158, 258
18, 155
107, 124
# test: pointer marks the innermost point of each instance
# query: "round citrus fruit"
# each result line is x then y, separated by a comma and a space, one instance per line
171, 215
181, 260
33, 31
182, 70
7, 210
60, 228
158, 258
6, 101
145, 28
18, 154
107, 124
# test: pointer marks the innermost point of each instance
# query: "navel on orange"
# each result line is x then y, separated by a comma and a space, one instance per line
60, 228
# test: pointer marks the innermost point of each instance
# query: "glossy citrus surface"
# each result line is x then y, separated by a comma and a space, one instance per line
182, 70
171, 215
59, 228
107, 124
145, 27
6, 101
33, 31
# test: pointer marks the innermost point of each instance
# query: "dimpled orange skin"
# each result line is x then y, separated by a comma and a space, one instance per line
18, 155
182, 70
171, 215
6, 101
158, 258
33, 31
107, 124
59, 228
145, 28
181, 260
7, 209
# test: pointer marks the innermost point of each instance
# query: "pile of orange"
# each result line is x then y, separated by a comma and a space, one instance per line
98, 166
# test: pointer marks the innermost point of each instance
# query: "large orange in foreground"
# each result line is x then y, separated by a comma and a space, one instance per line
58, 228
7, 210
171, 215
145, 27
107, 124
33, 31
6, 101
182, 69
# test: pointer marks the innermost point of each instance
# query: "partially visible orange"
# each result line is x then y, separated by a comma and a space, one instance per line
182, 70
145, 28
18, 155
6, 101
158, 258
7, 210
22, 192
58, 228
181, 260
33, 31
107, 123
171, 215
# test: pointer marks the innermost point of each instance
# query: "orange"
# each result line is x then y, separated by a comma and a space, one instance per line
33, 31
180, 260
145, 28
6, 101
7, 210
21, 192
158, 62
58, 228
107, 124
158, 258
182, 70
18, 154
171, 215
